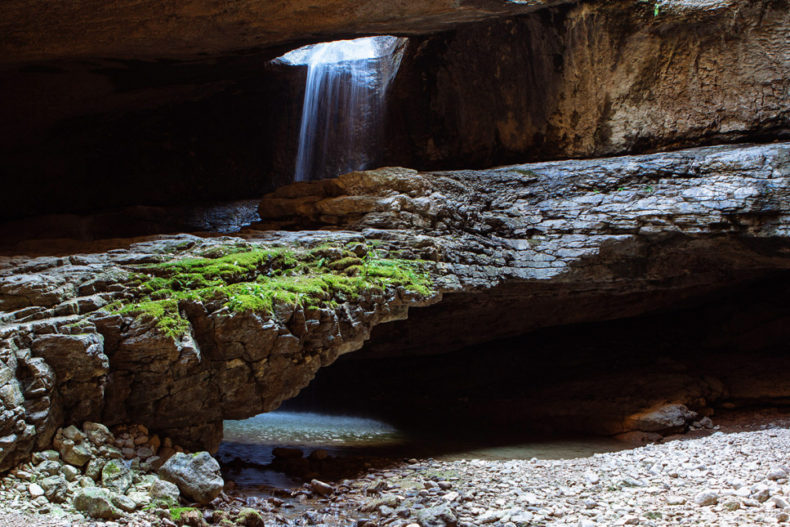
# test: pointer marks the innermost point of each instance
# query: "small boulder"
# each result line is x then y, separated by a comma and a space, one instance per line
73, 433
46, 455
55, 488
197, 475
192, 518
98, 434
141, 499
439, 516
165, 490
69, 472
321, 488
93, 469
250, 518
706, 497
77, 454
48, 468
662, 418
35, 490
96, 503
124, 503
287, 453
116, 476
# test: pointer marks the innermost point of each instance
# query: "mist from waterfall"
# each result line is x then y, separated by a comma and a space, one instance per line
344, 106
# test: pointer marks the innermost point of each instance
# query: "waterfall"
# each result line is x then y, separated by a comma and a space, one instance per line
344, 104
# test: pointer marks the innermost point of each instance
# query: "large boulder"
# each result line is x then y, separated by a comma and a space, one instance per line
196, 475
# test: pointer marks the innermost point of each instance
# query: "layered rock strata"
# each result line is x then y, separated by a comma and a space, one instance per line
137, 334
104, 337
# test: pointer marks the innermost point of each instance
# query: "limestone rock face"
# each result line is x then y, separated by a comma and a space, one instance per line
591, 80
678, 222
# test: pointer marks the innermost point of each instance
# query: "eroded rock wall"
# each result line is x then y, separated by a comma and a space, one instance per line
593, 79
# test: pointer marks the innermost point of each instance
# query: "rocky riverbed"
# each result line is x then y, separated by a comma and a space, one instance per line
737, 477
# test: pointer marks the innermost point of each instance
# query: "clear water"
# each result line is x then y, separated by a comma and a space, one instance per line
307, 429
344, 103
252, 441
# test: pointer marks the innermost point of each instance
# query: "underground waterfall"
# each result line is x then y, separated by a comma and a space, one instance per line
344, 104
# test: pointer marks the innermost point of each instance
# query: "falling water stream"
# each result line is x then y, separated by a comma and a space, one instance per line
344, 104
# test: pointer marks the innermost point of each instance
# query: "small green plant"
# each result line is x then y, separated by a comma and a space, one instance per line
176, 512
653, 515
648, 189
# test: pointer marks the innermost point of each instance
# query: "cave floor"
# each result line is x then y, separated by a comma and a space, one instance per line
735, 475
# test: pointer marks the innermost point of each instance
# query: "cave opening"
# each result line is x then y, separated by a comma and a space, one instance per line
438, 385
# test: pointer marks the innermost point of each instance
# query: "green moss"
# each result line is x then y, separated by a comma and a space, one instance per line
348, 261
161, 503
176, 512
164, 312
525, 172
260, 279
249, 516
110, 468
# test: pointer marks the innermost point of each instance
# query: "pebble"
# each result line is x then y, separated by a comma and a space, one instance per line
706, 497
35, 490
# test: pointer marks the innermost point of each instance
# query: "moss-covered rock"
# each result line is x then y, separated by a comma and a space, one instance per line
249, 518
256, 279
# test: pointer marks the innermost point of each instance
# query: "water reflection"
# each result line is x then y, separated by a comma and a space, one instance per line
247, 449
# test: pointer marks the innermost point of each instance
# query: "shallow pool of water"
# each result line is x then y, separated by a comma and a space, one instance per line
248, 445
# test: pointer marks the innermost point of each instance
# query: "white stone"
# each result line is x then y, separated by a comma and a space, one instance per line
706, 497
35, 490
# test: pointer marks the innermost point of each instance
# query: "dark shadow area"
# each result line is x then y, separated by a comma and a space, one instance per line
722, 349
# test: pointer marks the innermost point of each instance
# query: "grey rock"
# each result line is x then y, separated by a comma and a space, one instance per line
196, 475
46, 455
69, 472
665, 418
124, 503
48, 468
321, 488
96, 503
706, 497
116, 476
55, 488
94, 467
35, 490
439, 516
98, 434
165, 490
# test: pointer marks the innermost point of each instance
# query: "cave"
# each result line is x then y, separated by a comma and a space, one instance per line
513, 221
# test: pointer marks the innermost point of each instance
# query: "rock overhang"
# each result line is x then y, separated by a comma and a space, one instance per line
594, 239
